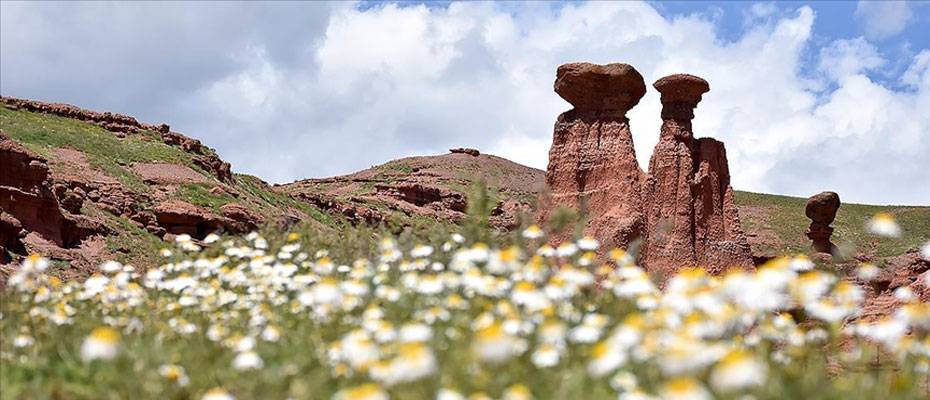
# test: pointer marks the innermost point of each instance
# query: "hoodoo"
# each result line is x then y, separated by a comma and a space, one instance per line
592, 163
683, 208
821, 209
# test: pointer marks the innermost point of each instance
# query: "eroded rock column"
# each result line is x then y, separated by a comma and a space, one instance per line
821, 209
691, 219
592, 162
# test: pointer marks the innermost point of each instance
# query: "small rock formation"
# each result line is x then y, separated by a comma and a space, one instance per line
821, 209
465, 150
690, 213
592, 162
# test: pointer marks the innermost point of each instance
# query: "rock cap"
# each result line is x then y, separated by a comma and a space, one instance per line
681, 88
615, 88
822, 207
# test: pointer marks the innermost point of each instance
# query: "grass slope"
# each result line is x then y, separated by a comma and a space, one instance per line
781, 219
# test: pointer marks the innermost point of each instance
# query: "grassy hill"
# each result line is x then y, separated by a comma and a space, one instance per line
777, 225
410, 192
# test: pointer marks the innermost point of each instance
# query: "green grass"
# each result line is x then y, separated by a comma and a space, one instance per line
43, 133
784, 216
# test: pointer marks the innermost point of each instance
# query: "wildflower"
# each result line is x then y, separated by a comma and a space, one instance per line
867, 271
545, 356
217, 394
802, 263
247, 360
624, 381
605, 358
533, 232
23, 340
925, 251
884, 224
449, 394
588, 243
904, 293
413, 361
110, 267
211, 238
517, 392
421, 251
493, 344
367, 391
684, 389
102, 343
566, 250
174, 373
737, 370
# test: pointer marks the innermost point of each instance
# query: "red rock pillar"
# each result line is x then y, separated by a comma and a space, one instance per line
691, 219
592, 162
667, 189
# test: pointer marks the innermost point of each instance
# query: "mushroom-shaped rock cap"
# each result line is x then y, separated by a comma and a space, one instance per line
612, 87
822, 207
681, 88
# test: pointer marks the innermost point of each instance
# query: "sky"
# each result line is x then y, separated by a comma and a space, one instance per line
807, 97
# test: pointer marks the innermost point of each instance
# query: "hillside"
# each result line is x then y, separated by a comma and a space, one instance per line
124, 184
427, 188
93, 186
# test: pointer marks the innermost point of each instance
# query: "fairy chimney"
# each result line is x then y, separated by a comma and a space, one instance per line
592, 163
691, 218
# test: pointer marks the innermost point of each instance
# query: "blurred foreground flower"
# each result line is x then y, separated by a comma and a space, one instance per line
102, 343
884, 224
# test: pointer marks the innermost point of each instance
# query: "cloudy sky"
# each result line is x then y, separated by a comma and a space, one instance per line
826, 96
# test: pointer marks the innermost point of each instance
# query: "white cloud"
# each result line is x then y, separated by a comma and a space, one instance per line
843, 58
883, 19
366, 86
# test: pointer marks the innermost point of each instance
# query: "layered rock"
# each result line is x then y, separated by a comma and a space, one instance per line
821, 209
690, 214
122, 125
29, 204
592, 162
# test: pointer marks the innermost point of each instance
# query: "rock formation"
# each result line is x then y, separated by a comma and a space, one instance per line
29, 204
690, 214
683, 207
821, 209
592, 163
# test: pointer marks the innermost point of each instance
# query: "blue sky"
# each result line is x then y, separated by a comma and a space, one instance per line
807, 96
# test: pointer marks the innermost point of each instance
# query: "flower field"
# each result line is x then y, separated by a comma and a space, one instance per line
257, 318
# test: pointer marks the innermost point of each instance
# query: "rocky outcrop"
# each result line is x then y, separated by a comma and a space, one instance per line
29, 204
123, 125
179, 217
113, 122
241, 218
465, 150
423, 195
821, 209
592, 162
691, 217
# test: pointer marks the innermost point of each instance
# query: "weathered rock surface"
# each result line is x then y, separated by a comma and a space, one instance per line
592, 162
123, 125
691, 217
821, 209
29, 204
